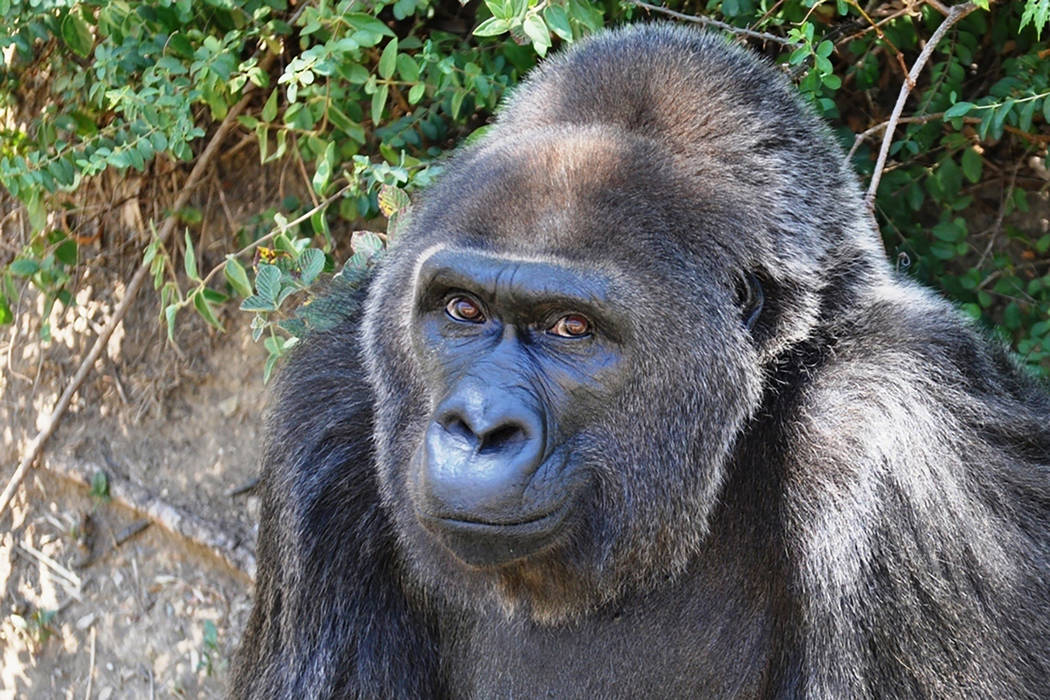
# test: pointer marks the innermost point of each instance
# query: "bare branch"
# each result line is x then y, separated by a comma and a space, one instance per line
955, 14
708, 22
859, 138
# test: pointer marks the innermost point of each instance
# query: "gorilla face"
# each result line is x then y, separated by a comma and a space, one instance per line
515, 352
551, 419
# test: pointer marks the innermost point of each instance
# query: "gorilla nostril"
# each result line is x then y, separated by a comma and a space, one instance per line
457, 428
501, 438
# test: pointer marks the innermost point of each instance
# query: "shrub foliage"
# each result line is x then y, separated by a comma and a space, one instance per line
367, 96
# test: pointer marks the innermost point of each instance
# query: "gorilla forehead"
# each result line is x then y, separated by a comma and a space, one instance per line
573, 190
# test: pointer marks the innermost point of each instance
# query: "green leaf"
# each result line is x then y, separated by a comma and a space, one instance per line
214, 296
269, 110
257, 303
319, 223
204, 309
388, 60
1038, 13
949, 232
493, 26
1001, 113
169, 317
190, 215
378, 103
972, 165
281, 220
283, 243
367, 23
558, 21
311, 262
407, 68
66, 252
237, 276
1024, 122
211, 635
366, 244
323, 174
943, 251
457, 102
190, 260
832, 81
500, 8
537, 31
77, 34
417, 91
949, 176
24, 267
392, 199
6, 316
959, 109
100, 485
986, 122
268, 282
268, 368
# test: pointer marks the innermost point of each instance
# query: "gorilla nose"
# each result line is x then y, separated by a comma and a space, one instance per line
479, 459
506, 438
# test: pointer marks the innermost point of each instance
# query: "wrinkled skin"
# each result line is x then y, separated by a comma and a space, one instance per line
635, 407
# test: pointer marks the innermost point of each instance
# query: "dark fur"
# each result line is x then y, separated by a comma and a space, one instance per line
850, 499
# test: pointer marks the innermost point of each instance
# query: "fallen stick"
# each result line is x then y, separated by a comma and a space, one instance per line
237, 552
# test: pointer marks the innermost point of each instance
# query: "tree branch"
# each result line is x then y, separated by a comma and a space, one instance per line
708, 22
955, 14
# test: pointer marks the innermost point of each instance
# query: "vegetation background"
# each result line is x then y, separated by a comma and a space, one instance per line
234, 158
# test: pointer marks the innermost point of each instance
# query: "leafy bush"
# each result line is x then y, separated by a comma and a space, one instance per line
369, 96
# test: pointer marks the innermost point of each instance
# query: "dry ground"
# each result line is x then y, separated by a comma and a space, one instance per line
90, 600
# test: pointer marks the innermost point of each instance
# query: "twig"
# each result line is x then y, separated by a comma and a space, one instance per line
876, 26
57, 573
65, 574
273, 232
302, 169
997, 227
91, 666
955, 14
708, 22
241, 145
244, 487
886, 41
859, 138
140, 276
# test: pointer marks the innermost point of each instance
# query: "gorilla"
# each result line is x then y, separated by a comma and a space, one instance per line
636, 407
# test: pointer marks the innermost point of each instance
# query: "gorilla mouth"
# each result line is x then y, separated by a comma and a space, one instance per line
488, 544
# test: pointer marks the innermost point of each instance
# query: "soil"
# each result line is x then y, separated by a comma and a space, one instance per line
91, 599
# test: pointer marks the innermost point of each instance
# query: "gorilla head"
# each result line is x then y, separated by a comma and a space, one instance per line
571, 335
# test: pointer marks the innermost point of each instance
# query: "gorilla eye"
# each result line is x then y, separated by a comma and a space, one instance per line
571, 326
464, 309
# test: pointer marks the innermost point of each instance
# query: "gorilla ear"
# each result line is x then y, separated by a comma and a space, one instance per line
750, 298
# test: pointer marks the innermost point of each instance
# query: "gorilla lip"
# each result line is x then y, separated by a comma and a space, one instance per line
492, 544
